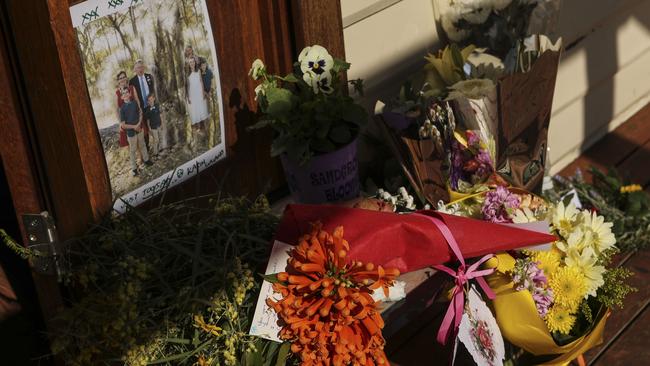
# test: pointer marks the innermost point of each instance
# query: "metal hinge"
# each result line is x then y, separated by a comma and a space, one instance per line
47, 254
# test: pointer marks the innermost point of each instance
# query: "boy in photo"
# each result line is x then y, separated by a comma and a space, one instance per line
152, 115
131, 122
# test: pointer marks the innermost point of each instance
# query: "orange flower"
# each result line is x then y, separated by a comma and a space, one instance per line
326, 307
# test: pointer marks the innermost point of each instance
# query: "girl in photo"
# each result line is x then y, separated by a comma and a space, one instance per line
197, 102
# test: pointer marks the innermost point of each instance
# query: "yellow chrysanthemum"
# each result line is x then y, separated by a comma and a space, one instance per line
569, 286
559, 319
548, 260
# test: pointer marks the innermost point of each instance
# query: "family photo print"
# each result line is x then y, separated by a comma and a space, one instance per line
153, 80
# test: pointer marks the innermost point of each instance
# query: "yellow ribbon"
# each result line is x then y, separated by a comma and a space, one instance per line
522, 326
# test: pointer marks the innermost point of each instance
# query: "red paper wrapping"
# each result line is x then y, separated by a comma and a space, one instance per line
406, 242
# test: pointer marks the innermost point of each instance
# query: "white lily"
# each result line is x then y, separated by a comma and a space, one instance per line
315, 59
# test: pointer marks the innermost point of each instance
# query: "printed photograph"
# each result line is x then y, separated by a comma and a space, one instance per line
152, 75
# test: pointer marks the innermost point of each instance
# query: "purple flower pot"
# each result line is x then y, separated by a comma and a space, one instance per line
398, 121
329, 177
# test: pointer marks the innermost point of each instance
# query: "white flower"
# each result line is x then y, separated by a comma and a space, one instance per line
602, 237
402, 191
259, 90
315, 59
577, 240
454, 33
564, 219
319, 82
256, 69
523, 215
500, 4
476, 14
471, 89
586, 262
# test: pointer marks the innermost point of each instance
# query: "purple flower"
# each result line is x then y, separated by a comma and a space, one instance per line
526, 275
457, 163
497, 204
485, 164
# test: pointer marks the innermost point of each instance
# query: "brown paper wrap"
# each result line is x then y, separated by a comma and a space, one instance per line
517, 118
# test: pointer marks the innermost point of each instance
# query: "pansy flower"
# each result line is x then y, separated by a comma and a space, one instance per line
315, 59
319, 82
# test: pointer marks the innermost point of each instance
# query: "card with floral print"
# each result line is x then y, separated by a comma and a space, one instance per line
480, 333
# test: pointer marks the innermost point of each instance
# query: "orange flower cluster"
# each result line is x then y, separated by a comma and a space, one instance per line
329, 314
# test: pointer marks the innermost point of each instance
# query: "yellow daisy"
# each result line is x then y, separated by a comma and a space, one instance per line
559, 319
548, 260
569, 286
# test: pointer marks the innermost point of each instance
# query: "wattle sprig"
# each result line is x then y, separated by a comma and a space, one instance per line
327, 308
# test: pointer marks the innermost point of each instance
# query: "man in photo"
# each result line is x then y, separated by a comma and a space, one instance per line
131, 122
143, 84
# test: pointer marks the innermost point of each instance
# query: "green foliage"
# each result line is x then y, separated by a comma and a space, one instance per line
629, 211
445, 69
171, 286
308, 120
20, 250
612, 293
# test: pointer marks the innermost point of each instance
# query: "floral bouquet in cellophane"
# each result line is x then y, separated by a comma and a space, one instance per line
342, 255
482, 113
551, 301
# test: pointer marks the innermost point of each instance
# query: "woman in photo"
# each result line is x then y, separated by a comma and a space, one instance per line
123, 84
197, 102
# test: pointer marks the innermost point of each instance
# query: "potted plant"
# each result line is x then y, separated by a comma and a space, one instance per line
316, 125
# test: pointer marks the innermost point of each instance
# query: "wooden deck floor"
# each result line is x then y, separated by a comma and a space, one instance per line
627, 336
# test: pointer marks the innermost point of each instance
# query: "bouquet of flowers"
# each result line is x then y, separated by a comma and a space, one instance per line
551, 301
480, 117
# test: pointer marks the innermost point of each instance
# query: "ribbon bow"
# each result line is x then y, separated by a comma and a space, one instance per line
462, 275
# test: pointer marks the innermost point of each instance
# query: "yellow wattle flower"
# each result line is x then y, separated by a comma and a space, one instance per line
569, 287
631, 188
559, 319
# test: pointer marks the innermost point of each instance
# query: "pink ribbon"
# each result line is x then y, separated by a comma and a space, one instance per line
462, 275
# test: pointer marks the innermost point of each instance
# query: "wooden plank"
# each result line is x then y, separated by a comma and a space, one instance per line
20, 167
632, 348
616, 146
637, 166
639, 263
319, 22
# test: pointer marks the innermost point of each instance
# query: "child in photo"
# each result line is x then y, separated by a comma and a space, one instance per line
152, 115
207, 75
131, 122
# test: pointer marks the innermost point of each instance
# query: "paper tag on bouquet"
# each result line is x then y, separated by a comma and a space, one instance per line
265, 320
479, 332
537, 226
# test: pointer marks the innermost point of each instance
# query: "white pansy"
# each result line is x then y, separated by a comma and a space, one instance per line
602, 237
319, 82
476, 14
256, 69
259, 90
454, 33
564, 218
315, 59
471, 89
586, 261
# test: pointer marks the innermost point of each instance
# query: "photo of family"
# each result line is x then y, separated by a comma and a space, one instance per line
152, 75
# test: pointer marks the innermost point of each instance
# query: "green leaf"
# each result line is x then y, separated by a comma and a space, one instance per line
261, 124
354, 113
283, 353
457, 56
340, 134
280, 101
278, 146
322, 145
323, 128
291, 78
272, 278
340, 65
